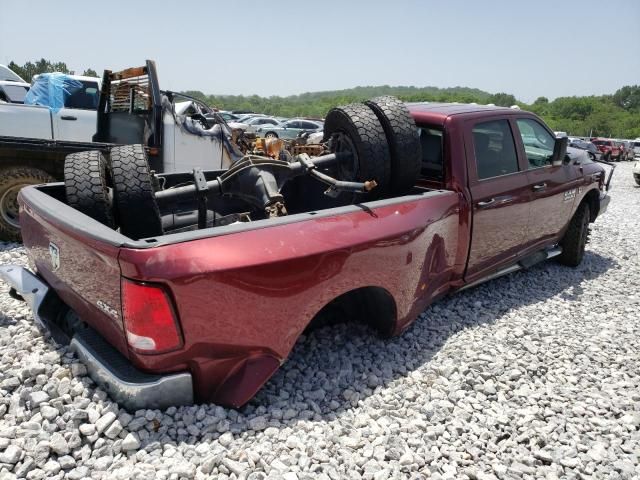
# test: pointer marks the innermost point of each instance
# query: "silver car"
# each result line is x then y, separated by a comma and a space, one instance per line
289, 129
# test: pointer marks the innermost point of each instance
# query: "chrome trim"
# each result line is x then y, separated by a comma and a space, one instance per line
28, 286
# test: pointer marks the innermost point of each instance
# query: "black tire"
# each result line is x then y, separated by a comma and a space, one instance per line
404, 142
575, 238
355, 128
271, 135
85, 184
137, 211
607, 157
12, 179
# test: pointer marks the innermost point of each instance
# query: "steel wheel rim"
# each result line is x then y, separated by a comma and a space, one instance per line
346, 170
9, 209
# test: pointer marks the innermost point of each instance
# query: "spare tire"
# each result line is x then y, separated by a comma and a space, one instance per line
404, 142
355, 128
136, 208
85, 184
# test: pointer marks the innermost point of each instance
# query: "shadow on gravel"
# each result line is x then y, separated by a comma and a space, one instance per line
333, 368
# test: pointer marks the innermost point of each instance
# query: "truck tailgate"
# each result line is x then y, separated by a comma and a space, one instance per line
82, 268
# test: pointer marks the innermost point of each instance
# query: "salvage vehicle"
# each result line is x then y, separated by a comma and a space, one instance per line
399, 208
35, 139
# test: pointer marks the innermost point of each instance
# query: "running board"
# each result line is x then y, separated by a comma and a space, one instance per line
524, 263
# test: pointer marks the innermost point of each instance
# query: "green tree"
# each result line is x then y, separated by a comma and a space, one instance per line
628, 97
89, 72
503, 99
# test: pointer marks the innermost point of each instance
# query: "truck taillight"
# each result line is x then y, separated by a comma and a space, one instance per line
150, 322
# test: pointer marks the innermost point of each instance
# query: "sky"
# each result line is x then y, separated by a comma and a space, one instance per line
244, 47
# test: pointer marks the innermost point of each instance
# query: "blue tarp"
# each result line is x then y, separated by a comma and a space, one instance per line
51, 90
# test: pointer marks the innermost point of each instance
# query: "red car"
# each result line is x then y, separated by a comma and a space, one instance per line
209, 313
611, 150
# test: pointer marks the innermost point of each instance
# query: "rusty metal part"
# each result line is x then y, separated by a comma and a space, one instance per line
276, 209
370, 185
313, 150
130, 90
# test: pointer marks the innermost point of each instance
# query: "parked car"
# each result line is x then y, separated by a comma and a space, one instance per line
228, 116
253, 123
456, 202
628, 150
289, 129
246, 116
591, 149
609, 148
636, 148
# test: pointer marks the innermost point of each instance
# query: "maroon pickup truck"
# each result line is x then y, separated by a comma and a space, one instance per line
210, 313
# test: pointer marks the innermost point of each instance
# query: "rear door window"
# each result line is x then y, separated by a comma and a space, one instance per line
494, 149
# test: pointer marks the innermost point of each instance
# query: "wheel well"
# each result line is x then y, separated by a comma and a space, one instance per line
373, 306
592, 198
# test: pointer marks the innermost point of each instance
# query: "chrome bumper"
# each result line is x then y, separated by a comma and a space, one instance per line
127, 385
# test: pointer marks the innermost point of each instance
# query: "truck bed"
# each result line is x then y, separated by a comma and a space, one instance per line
243, 293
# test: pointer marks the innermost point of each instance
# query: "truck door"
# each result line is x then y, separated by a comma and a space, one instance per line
553, 188
76, 122
500, 196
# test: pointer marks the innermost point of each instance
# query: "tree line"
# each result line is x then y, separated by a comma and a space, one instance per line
616, 115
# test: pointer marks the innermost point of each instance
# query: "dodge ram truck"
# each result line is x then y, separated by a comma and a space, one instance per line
207, 309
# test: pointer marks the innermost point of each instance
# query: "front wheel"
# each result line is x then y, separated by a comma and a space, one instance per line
11, 181
575, 239
271, 135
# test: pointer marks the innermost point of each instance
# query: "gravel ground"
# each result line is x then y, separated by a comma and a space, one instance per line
534, 375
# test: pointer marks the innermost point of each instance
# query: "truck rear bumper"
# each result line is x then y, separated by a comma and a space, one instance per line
127, 385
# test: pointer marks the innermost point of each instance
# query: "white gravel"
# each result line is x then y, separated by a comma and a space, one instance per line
535, 375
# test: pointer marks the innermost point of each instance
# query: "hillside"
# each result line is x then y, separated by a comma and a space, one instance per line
616, 115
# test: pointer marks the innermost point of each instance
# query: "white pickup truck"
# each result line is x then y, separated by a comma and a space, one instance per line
75, 121
122, 108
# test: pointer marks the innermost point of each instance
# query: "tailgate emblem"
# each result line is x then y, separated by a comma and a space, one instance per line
54, 253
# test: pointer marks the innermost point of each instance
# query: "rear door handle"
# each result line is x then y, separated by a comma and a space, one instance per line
486, 203
540, 186
68, 117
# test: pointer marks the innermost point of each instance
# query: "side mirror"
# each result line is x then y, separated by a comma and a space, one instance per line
559, 151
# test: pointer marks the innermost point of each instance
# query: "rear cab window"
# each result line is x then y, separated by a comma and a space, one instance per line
85, 98
431, 142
